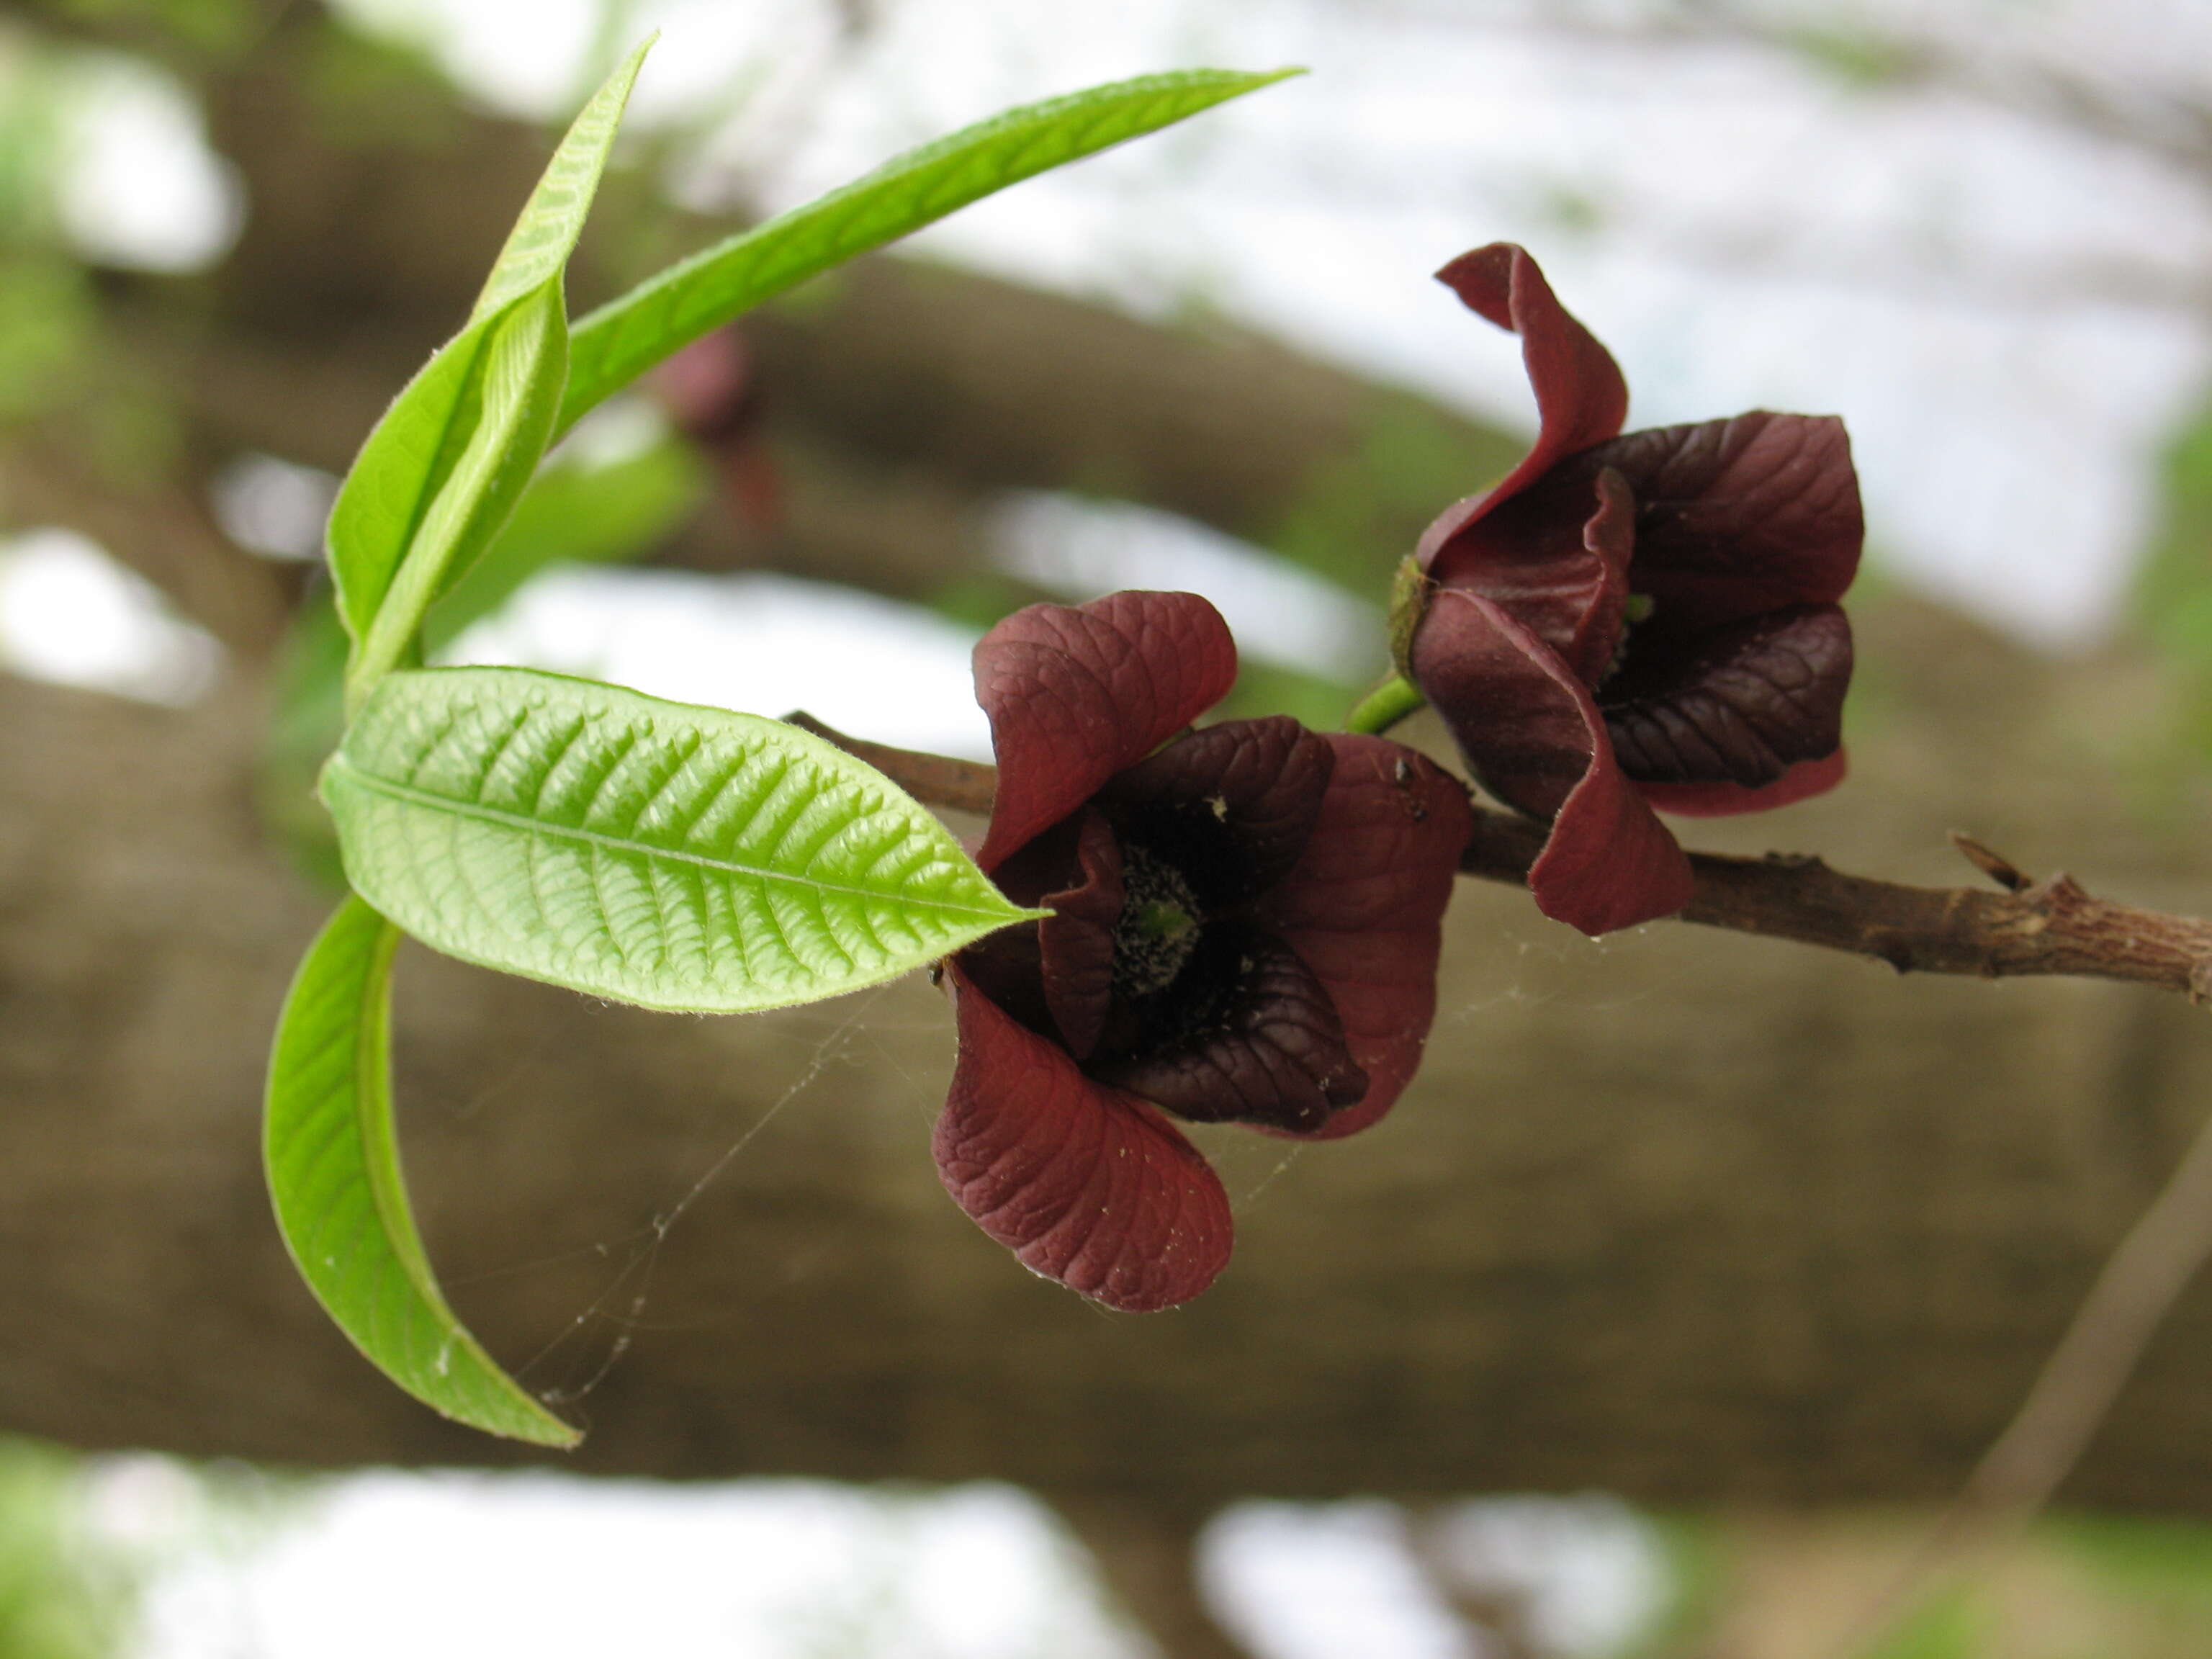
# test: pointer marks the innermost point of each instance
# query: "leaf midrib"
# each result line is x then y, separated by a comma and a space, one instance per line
408, 793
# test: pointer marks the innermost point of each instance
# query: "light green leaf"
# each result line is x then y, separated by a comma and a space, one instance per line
677, 857
519, 389
624, 338
406, 457
407, 460
333, 1166
539, 247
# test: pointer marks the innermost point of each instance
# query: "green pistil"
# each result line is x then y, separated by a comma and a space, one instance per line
1159, 926
1637, 608
1161, 919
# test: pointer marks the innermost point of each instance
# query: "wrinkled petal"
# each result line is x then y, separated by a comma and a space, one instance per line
1740, 516
1739, 704
1719, 800
1231, 807
1076, 694
1086, 1184
1363, 908
1532, 733
1075, 943
1581, 398
1272, 1053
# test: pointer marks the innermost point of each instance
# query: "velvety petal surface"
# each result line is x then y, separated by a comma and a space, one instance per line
1556, 559
1740, 516
1363, 909
1720, 801
1076, 694
1534, 735
1739, 704
1231, 806
1085, 1183
1272, 1054
1503, 694
1581, 397
1075, 943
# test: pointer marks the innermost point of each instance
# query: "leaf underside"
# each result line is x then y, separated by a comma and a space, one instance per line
680, 857
332, 1161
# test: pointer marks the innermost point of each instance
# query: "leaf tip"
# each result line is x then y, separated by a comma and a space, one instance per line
552, 1433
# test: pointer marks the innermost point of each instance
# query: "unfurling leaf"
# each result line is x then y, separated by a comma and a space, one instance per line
406, 472
624, 338
517, 387
677, 857
333, 1168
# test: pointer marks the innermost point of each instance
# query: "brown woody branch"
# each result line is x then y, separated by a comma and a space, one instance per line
2032, 928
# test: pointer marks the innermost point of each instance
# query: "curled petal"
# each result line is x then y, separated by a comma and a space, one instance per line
1740, 516
1231, 806
1556, 559
1581, 398
1075, 943
1076, 694
1739, 704
1086, 1184
1530, 730
1363, 908
1719, 800
1505, 696
1274, 1055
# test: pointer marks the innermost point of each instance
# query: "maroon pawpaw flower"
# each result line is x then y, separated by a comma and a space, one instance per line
1639, 621
1245, 926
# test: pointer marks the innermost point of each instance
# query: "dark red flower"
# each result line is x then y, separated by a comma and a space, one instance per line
1639, 621
1245, 929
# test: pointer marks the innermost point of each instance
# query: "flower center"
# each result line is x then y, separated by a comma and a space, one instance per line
1159, 926
1637, 608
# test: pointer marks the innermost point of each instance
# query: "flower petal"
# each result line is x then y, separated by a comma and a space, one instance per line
1741, 516
1505, 696
1719, 800
1364, 907
1076, 694
1739, 704
1271, 1054
1075, 943
1532, 733
1556, 558
1581, 398
1085, 1184
1231, 807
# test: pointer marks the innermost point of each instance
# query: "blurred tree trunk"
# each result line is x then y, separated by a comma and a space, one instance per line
1682, 1216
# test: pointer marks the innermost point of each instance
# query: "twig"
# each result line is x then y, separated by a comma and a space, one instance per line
2162, 1253
957, 786
2038, 927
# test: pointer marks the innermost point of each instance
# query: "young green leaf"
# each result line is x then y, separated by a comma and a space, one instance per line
518, 390
406, 463
624, 338
333, 1167
681, 858
537, 248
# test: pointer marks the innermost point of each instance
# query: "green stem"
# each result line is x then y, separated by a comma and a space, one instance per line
1382, 709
